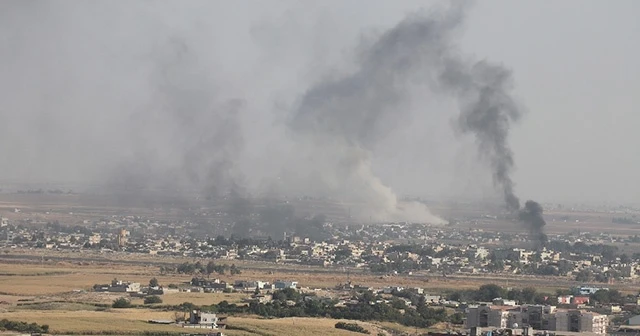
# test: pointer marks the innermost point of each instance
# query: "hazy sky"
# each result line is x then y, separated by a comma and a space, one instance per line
92, 87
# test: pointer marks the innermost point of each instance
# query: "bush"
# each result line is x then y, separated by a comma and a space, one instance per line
121, 303
23, 326
351, 327
153, 282
152, 299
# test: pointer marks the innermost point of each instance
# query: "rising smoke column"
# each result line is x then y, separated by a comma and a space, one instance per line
342, 119
353, 113
487, 110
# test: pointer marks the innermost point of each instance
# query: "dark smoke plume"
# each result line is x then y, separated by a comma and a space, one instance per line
353, 113
531, 215
487, 110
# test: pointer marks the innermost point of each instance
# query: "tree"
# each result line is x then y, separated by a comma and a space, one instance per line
211, 267
564, 267
489, 292
457, 318
152, 299
584, 276
528, 295
625, 259
343, 253
496, 266
153, 282
606, 296
121, 303
234, 270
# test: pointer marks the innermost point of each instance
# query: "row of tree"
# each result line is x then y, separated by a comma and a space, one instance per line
199, 268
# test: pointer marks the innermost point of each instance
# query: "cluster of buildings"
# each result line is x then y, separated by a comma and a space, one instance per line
538, 317
217, 285
443, 250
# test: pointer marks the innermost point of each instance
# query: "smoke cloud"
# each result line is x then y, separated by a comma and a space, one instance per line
159, 98
350, 115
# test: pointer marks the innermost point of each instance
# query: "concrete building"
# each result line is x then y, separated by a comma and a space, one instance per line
123, 237
247, 285
634, 321
487, 316
504, 302
629, 271
581, 321
118, 286
95, 239
565, 299
200, 319
279, 284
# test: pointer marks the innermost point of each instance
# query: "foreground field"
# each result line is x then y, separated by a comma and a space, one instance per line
134, 321
58, 293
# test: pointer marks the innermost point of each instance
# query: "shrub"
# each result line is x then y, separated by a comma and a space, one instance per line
351, 327
152, 299
23, 326
121, 303
153, 282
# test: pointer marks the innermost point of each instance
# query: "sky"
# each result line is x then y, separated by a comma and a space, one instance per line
201, 94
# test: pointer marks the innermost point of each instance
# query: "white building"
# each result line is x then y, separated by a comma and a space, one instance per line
199, 319
279, 284
95, 239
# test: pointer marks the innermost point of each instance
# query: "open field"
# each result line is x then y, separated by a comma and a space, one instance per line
56, 294
83, 277
116, 321
134, 321
32, 276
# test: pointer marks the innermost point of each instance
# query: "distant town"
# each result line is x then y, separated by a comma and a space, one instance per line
591, 272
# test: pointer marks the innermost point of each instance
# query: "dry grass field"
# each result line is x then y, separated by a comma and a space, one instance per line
116, 321
56, 295
26, 279
296, 326
134, 321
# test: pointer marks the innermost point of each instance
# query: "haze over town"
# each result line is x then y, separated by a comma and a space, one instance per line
92, 90
286, 168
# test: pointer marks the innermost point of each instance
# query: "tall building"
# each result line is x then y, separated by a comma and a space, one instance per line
488, 316
581, 321
123, 237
